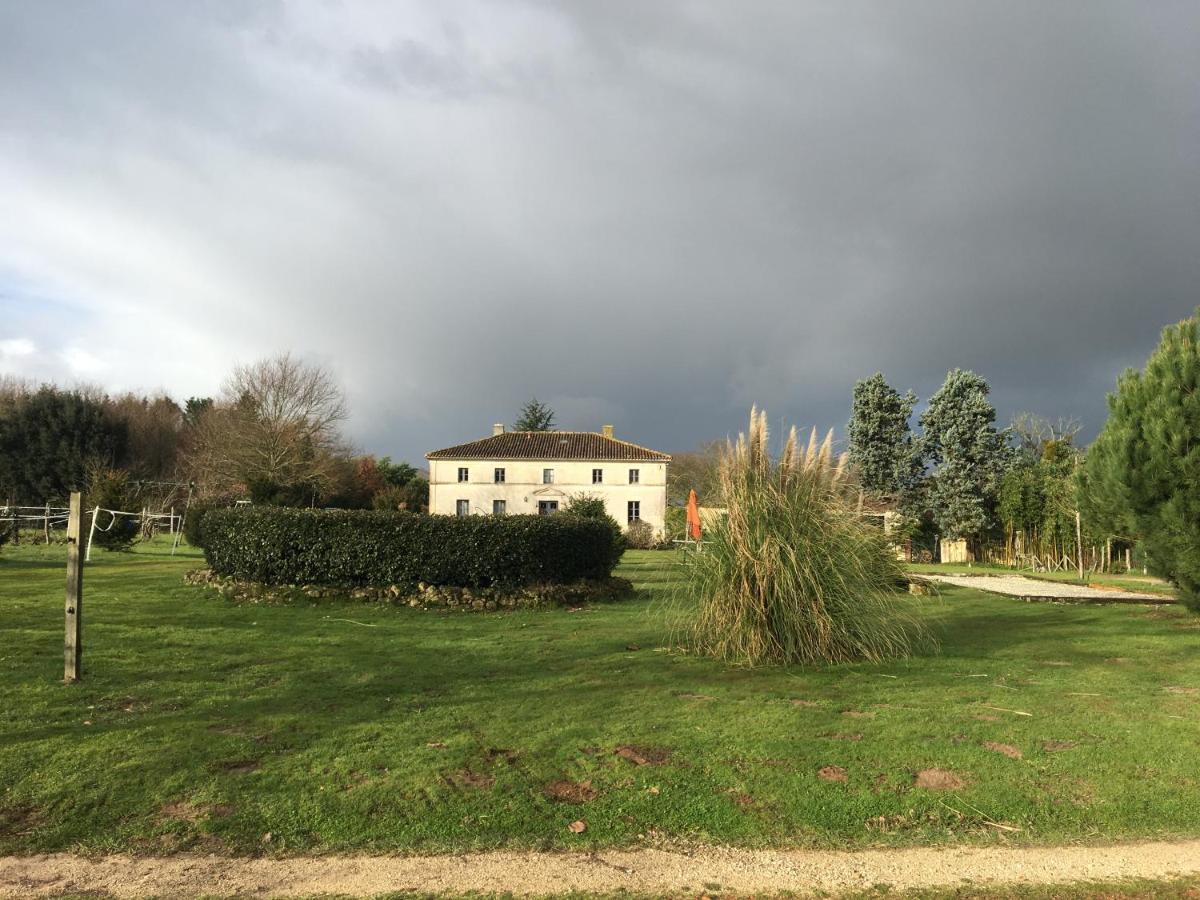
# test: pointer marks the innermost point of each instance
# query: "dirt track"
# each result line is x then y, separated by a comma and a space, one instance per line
644, 871
1038, 589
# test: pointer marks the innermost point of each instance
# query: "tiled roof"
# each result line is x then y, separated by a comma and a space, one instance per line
577, 445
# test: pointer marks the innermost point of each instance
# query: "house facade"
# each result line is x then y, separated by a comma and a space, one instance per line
537, 472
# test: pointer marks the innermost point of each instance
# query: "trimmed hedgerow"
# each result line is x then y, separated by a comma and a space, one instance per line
376, 548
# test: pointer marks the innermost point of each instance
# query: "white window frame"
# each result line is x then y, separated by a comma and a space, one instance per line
547, 476
498, 475
633, 511
464, 474
462, 508
499, 507
635, 476
597, 476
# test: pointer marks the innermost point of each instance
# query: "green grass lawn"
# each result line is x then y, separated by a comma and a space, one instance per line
336, 727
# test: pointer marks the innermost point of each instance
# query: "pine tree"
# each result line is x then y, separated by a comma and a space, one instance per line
48, 440
1142, 475
881, 444
971, 456
535, 416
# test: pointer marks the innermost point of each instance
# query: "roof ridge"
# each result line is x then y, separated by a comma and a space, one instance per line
586, 445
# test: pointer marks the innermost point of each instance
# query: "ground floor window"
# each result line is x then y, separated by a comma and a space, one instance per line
547, 507
635, 510
499, 507
462, 508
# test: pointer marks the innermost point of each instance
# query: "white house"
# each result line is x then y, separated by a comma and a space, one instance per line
538, 471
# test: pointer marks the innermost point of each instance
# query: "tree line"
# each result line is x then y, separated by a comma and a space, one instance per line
273, 435
1029, 493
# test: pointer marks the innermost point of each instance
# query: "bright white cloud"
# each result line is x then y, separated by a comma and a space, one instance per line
14, 348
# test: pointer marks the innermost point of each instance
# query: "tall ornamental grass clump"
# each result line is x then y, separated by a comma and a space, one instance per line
793, 574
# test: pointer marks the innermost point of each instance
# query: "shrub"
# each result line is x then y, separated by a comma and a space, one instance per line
640, 536
109, 489
373, 548
193, 531
589, 507
792, 574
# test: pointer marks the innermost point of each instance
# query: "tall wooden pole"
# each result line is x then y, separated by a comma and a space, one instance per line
1079, 544
73, 645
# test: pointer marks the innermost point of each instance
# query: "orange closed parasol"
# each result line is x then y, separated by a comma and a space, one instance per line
693, 517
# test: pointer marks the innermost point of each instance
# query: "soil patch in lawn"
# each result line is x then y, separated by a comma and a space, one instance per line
643, 756
570, 791
938, 780
20, 819
185, 811
1055, 746
465, 778
1005, 749
831, 773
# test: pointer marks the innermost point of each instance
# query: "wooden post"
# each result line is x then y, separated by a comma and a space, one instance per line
179, 532
172, 520
73, 645
1079, 544
46, 522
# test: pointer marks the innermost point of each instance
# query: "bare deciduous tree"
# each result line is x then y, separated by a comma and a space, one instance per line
277, 423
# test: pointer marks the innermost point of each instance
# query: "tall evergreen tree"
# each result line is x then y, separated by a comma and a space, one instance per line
960, 439
1143, 472
50, 438
881, 442
535, 416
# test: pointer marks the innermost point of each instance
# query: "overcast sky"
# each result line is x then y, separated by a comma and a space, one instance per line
646, 213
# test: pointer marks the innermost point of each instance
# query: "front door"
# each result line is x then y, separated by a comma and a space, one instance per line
547, 507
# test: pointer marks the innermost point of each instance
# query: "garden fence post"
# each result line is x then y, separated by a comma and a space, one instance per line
46, 523
73, 644
1079, 544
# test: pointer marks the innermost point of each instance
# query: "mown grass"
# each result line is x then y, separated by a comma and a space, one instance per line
337, 727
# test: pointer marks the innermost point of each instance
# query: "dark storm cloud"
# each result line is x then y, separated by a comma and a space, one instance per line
649, 214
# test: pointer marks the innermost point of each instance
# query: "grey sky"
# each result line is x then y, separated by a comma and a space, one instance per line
650, 214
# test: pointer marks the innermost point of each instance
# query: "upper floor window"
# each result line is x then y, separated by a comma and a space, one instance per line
635, 510
597, 476
462, 508
635, 476
498, 476
547, 476
464, 473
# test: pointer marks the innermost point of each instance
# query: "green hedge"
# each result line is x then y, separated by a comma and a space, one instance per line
377, 548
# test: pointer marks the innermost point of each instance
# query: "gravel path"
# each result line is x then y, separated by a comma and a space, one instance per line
1035, 588
643, 871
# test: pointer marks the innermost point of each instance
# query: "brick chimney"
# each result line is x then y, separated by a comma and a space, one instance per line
498, 428
607, 431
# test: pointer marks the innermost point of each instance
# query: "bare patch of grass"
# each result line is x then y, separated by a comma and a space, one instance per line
570, 791
938, 780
